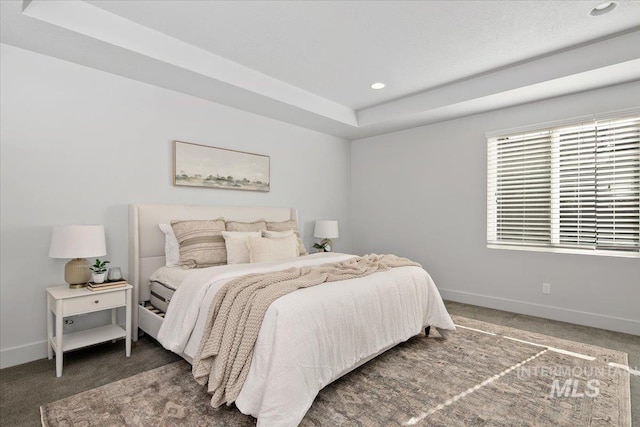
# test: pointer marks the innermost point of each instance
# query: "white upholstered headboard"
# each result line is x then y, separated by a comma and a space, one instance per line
146, 241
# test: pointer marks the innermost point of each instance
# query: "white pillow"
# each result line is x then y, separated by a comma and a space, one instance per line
237, 245
171, 246
276, 234
262, 249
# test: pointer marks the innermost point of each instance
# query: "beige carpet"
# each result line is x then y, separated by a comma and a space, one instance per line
473, 378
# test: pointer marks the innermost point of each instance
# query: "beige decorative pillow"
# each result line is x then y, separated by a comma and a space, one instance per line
201, 242
246, 226
237, 244
262, 249
276, 234
292, 224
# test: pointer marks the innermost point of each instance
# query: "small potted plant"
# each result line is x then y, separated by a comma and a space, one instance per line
323, 246
99, 271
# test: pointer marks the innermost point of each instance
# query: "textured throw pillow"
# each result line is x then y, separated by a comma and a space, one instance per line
262, 249
246, 226
276, 234
171, 246
237, 244
201, 242
289, 225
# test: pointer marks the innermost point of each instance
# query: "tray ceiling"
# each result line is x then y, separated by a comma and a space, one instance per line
312, 63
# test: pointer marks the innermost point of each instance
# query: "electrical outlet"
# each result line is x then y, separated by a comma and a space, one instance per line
546, 288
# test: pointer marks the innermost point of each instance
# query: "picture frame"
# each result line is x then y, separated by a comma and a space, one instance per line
196, 165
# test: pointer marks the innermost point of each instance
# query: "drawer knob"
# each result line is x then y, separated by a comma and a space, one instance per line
97, 301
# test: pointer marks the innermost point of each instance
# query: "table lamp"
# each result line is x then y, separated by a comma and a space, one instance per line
77, 242
325, 230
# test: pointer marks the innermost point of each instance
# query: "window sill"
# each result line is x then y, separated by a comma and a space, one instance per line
566, 251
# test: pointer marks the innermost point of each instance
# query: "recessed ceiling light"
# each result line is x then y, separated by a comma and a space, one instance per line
378, 86
603, 8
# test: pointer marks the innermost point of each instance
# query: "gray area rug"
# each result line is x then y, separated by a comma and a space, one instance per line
484, 374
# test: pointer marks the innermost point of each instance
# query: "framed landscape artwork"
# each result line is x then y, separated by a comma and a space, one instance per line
197, 165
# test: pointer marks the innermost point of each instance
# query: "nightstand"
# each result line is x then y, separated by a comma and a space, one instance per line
63, 302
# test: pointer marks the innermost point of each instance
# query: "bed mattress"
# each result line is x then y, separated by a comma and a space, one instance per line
161, 295
171, 277
163, 284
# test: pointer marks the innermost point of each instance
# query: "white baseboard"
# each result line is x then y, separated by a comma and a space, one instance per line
23, 354
618, 324
38, 350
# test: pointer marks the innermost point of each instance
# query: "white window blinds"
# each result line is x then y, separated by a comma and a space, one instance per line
574, 186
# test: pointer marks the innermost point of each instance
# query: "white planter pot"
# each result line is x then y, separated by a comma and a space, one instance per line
98, 277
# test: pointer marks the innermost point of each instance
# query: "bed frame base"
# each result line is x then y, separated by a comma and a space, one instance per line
149, 322
427, 330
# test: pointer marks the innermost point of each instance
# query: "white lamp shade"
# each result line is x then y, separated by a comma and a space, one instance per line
326, 229
77, 241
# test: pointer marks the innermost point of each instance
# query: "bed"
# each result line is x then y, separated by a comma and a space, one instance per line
308, 338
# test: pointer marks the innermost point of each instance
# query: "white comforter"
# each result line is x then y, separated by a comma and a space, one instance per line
312, 336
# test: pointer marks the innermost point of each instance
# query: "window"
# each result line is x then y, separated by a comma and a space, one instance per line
572, 187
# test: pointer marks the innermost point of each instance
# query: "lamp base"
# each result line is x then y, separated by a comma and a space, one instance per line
76, 273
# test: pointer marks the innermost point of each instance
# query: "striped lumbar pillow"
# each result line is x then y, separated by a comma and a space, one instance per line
201, 242
289, 225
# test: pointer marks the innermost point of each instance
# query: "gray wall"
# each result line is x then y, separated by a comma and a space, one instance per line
78, 145
421, 193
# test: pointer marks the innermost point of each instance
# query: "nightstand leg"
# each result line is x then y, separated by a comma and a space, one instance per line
113, 319
128, 327
49, 328
59, 351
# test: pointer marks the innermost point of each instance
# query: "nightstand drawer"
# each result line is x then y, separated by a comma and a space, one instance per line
89, 303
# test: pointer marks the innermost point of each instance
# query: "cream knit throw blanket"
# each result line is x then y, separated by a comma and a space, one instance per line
237, 311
